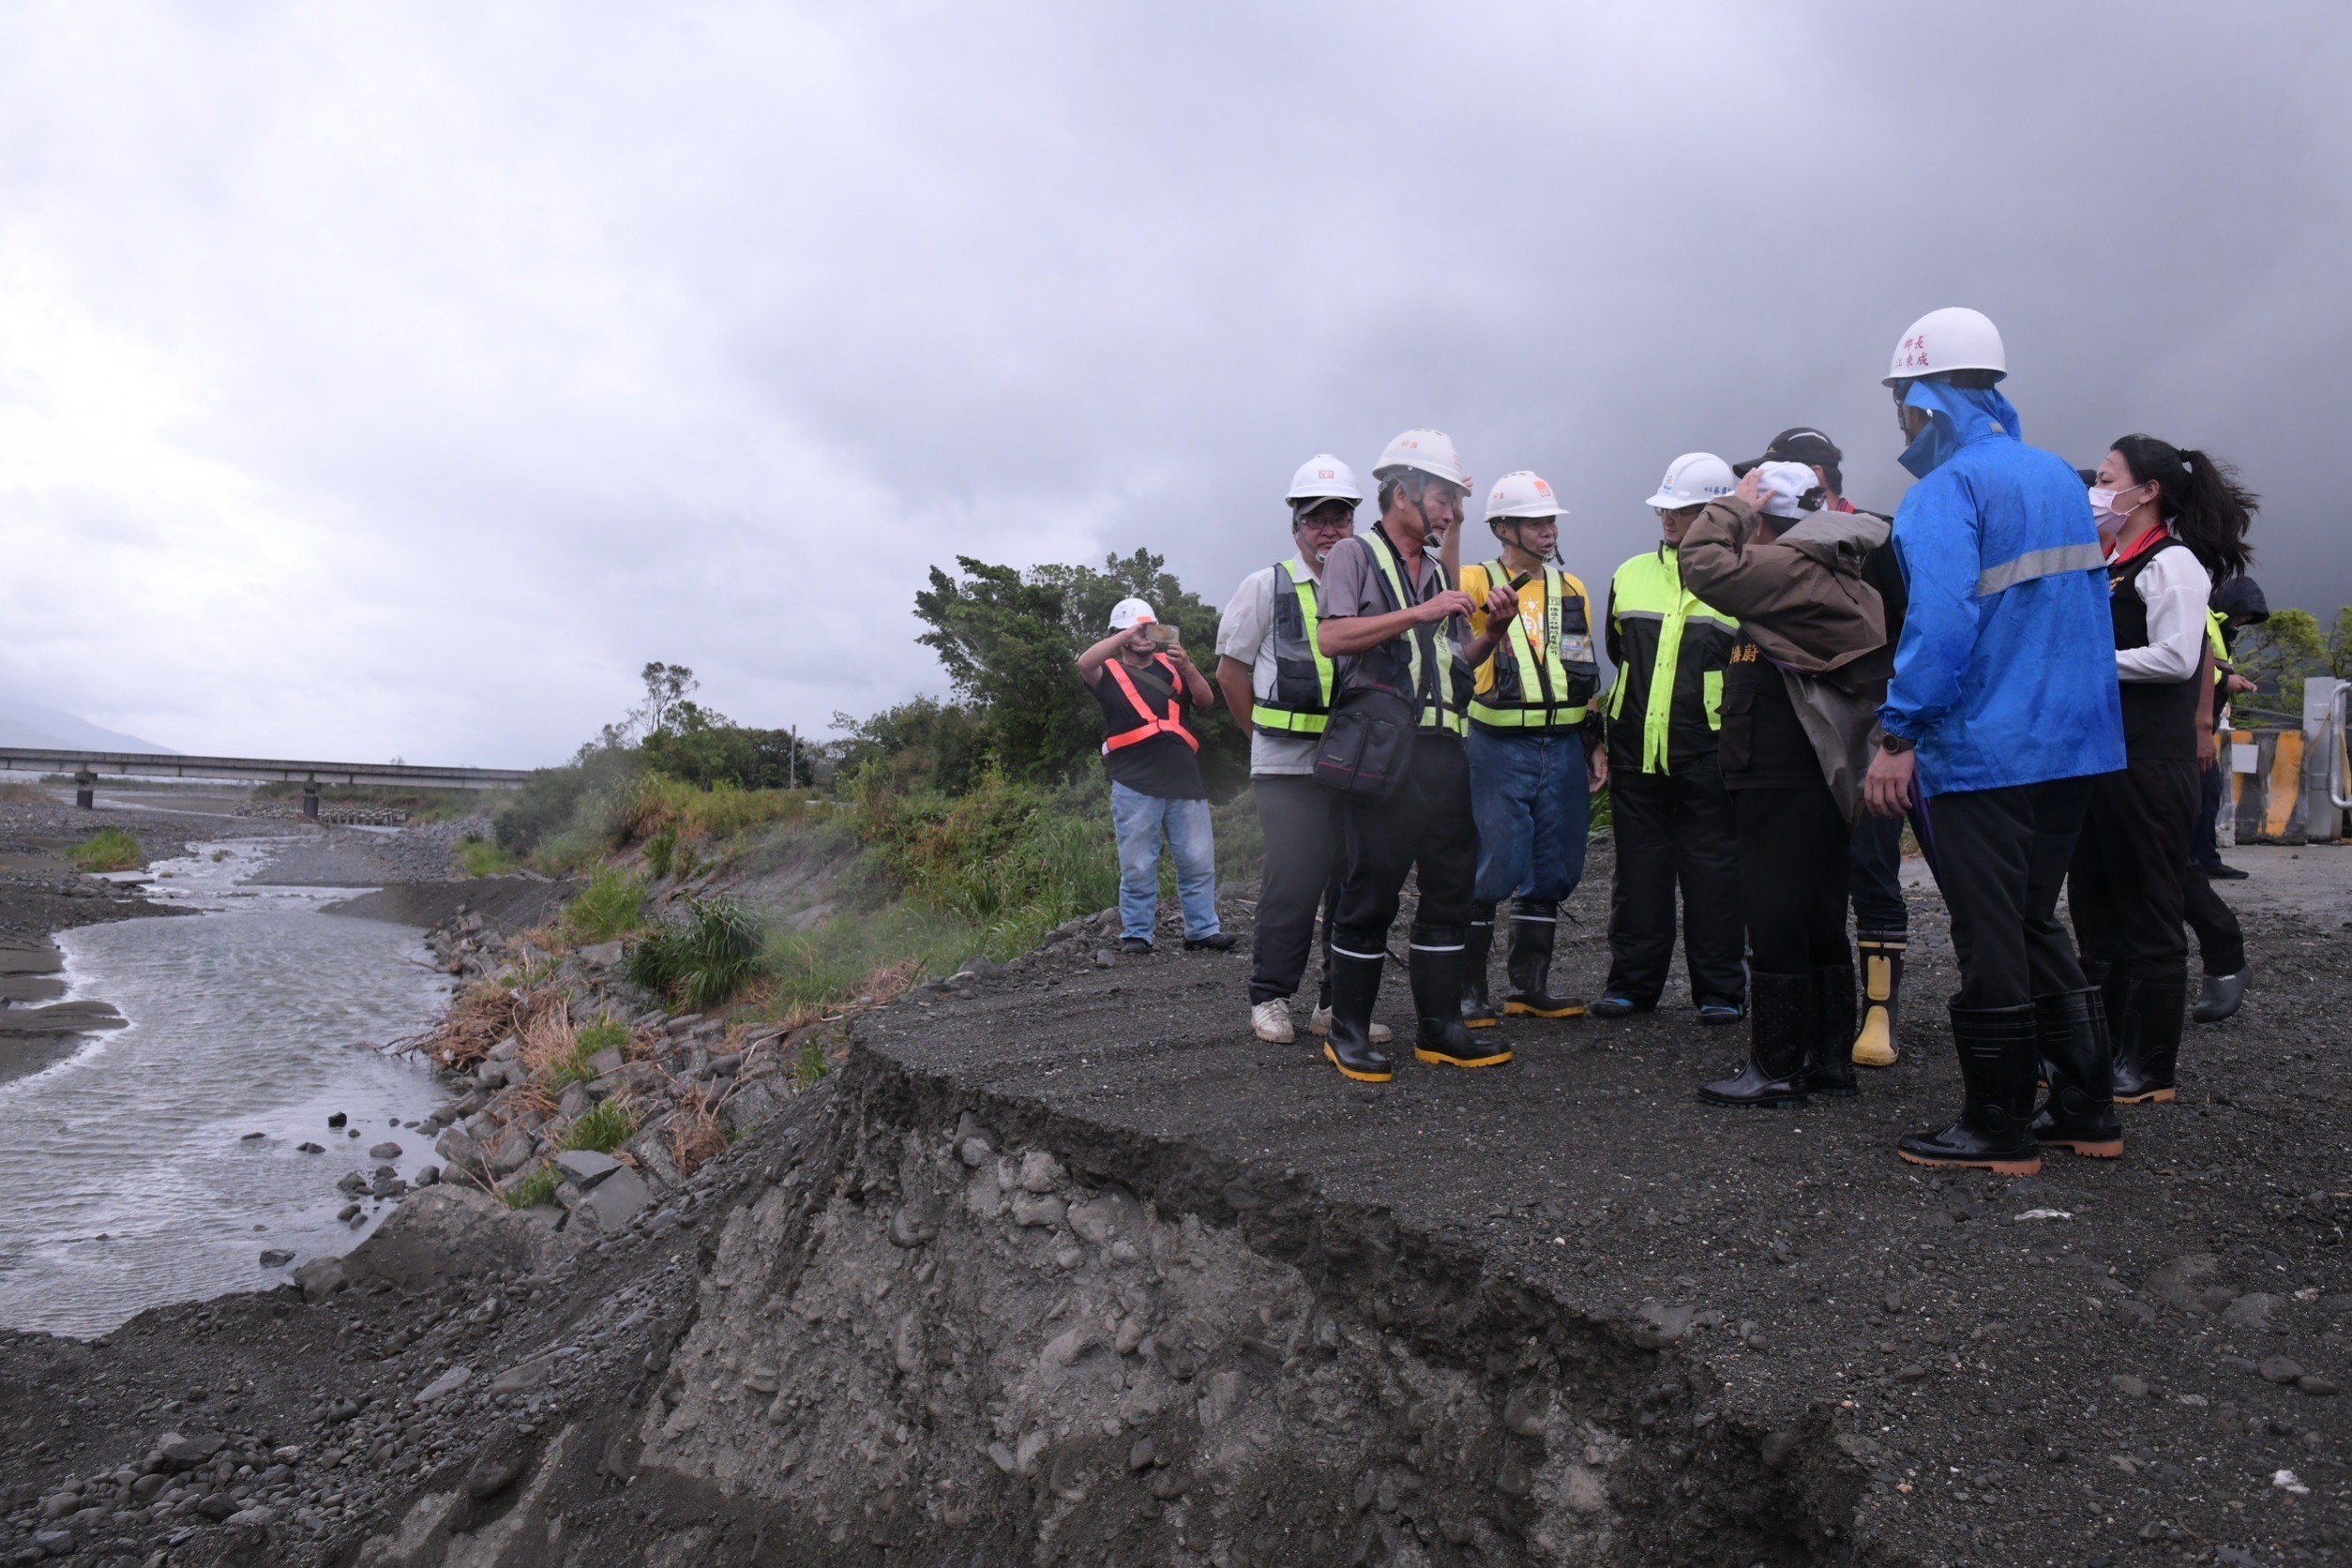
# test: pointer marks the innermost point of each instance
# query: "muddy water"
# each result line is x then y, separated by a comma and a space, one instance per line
127, 1174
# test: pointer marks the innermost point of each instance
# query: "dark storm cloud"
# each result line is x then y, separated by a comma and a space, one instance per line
484, 360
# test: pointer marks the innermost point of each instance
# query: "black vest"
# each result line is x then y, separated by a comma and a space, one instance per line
2159, 717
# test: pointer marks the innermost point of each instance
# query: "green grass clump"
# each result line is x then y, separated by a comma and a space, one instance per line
611, 905
602, 1127
574, 1065
532, 1190
606, 1033
704, 961
810, 1067
482, 858
107, 850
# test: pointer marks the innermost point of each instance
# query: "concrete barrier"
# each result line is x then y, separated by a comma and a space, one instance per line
2284, 783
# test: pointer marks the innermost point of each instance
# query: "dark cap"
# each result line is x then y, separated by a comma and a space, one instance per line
2240, 599
1802, 444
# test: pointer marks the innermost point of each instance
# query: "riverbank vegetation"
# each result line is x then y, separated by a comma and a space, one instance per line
107, 850
797, 877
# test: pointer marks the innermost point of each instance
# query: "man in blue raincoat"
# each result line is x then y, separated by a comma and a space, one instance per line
2002, 707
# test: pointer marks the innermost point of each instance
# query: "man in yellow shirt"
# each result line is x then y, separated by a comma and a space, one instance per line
1533, 759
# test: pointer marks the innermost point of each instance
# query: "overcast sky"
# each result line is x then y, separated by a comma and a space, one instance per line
399, 379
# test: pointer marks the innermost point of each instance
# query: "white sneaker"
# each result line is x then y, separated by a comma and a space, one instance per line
1319, 1025
1271, 1021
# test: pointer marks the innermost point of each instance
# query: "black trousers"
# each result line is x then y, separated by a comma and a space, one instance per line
1675, 828
2221, 942
1875, 856
2206, 848
2001, 857
1424, 826
1301, 820
2126, 886
1793, 877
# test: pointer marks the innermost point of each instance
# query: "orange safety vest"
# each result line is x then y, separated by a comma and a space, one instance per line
1153, 724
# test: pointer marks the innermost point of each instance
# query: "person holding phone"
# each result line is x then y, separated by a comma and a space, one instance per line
1147, 685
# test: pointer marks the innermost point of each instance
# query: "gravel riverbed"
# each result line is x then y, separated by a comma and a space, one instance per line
1059, 1265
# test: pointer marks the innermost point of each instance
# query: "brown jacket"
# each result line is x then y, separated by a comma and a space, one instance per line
1802, 600
1800, 597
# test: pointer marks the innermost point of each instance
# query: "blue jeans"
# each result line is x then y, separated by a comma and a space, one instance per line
1528, 793
1141, 819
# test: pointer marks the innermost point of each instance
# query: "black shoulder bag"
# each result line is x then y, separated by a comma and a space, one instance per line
1369, 739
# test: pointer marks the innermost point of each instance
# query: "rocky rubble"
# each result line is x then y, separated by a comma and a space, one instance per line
684, 1084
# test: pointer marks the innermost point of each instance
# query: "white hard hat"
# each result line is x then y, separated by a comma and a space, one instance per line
1693, 479
1952, 338
1523, 494
1324, 477
1127, 614
1430, 451
1785, 486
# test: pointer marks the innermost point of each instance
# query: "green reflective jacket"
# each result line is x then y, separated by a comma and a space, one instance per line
1429, 667
1670, 650
1302, 674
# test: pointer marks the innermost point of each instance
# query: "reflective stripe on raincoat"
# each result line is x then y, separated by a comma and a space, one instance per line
2005, 674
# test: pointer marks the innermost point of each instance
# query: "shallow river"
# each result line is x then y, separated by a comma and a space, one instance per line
126, 1177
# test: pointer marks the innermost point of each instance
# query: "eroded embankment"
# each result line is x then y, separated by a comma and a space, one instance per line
952, 1327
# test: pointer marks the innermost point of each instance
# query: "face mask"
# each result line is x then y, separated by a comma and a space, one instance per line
2102, 506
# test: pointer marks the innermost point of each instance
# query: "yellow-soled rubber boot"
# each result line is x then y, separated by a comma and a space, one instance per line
1355, 982
1436, 970
1533, 927
1881, 963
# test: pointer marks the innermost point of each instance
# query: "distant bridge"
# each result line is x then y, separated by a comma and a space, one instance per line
88, 766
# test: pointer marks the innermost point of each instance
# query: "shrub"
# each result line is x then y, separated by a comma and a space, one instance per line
543, 809
480, 857
704, 961
532, 1190
603, 1127
649, 807
1014, 860
611, 905
107, 850
704, 749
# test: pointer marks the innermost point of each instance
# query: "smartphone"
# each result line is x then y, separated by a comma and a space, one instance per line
1162, 635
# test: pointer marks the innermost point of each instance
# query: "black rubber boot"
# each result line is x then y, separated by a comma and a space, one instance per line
1830, 1057
1355, 986
1534, 928
2071, 1035
1783, 1018
1478, 948
2115, 999
2219, 996
2147, 1041
1879, 958
1997, 1065
1437, 975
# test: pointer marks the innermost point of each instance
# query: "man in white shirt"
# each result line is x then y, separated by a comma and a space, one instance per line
1277, 685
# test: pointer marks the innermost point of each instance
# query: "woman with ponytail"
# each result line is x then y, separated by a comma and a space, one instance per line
2173, 520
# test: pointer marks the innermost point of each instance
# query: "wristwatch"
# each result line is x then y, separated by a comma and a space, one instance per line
1895, 745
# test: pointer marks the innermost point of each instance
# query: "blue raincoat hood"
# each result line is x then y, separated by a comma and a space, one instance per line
2005, 672
1958, 415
